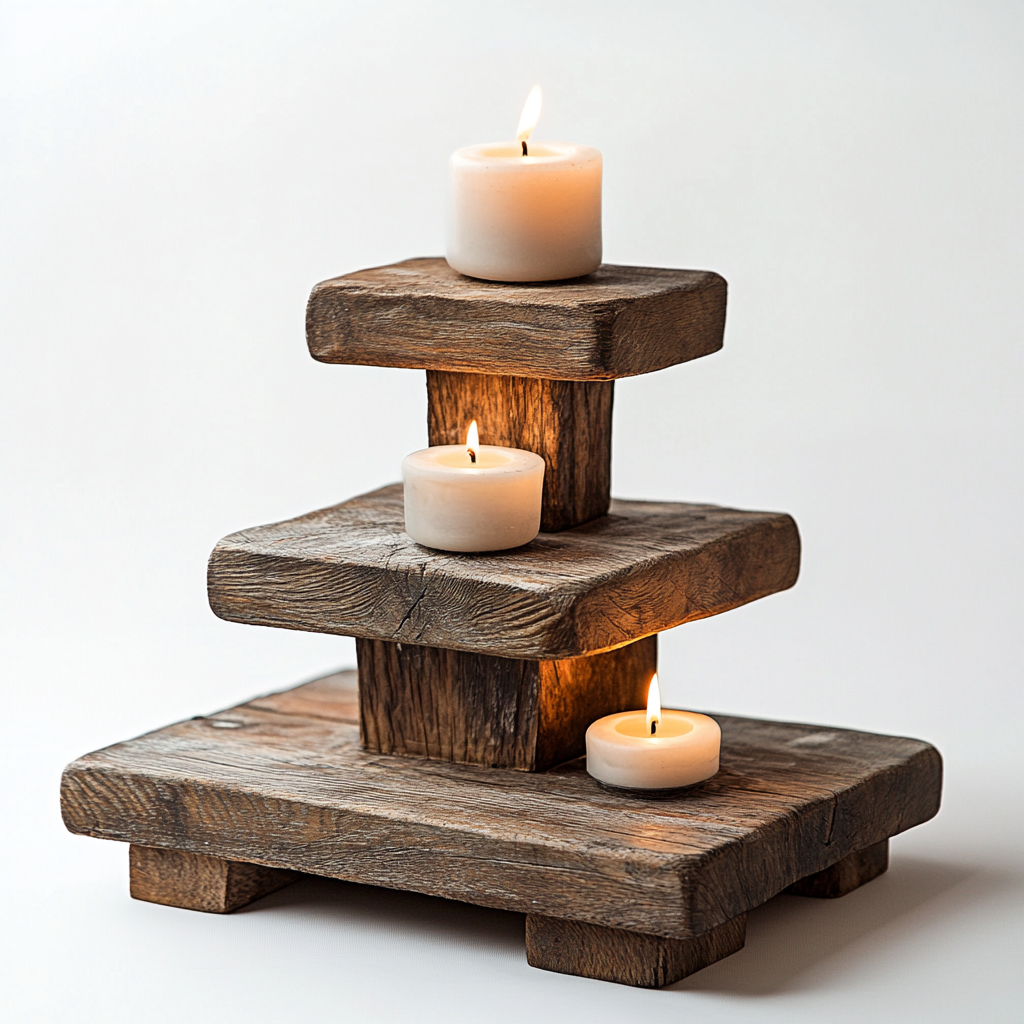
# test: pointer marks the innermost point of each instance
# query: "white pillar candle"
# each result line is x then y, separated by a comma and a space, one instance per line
472, 497
682, 750
523, 211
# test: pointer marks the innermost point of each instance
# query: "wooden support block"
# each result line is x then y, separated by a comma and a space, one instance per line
293, 789
845, 875
568, 423
629, 958
503, 712
641, 569
616, 322
194, 881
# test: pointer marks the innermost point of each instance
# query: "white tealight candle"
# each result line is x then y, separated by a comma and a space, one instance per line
472, 497
656, 749
523, 211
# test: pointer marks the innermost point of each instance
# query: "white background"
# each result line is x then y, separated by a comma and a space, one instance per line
175, 178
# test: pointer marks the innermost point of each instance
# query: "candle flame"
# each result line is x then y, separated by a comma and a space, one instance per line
653, 706
472, 441
531, 115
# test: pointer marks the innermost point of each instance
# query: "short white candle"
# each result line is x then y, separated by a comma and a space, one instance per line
524, 211
472, 497
682, 750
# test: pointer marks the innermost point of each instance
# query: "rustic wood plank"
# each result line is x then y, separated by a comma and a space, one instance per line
853, 871
616, 322
334, 697
629, 958
194, 881
568, 423
295, 792
643, 568
502, 712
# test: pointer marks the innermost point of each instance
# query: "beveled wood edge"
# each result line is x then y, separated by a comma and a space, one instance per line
569, 606
614, 310
547, 652
531, 653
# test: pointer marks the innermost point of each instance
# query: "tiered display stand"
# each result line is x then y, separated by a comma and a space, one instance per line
454, 767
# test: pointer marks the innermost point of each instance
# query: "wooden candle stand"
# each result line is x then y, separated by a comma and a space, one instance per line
454, 767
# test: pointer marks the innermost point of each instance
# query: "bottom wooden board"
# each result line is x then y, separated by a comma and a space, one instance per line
282, 782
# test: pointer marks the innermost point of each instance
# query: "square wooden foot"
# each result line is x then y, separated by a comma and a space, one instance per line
629, 958
193, 881
845, 875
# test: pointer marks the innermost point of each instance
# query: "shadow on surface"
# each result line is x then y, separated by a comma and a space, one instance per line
786, 938
449, 920
790, 935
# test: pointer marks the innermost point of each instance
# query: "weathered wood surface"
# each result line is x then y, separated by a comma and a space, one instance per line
501, 712
853, 871
334, 697
643, 568
197, 882
295, 792
616, 322
629, 958
568, 423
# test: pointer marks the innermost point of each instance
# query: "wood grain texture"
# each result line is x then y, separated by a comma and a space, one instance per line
296, 792
643, 568
502, 712
334, 697
567, 423
629, 958
194, 881
616, 322
853, 871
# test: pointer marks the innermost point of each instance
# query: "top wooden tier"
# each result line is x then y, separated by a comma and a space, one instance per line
616, 322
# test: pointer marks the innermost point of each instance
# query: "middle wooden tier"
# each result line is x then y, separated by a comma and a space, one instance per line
643, 568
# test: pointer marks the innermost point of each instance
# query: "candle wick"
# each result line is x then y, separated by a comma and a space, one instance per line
525, 153
472, 455
654, 727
